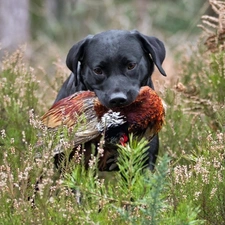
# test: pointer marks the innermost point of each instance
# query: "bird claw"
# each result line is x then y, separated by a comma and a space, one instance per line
113, 166
113, 162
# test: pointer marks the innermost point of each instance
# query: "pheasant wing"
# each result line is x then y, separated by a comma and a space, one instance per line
75, 111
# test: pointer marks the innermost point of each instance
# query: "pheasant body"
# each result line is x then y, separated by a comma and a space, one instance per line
143, 117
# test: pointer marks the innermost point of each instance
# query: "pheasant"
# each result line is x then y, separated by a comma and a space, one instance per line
144, 118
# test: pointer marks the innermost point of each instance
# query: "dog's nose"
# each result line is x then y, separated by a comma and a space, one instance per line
117, 100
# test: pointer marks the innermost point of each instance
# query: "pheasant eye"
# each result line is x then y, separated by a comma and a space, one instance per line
98, 71
131, 66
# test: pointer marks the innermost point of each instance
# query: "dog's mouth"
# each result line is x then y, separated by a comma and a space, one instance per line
118, 104
117, 100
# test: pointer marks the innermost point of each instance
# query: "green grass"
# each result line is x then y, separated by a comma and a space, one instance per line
186, 188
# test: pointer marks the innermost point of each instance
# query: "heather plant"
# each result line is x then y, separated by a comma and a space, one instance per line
134, 196
201, 180
196, 140
18, 95
33, 192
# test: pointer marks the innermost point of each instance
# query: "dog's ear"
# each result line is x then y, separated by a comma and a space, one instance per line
154, 47
75, 54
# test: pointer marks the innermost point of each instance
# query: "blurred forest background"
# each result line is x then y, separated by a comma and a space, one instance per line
50, 27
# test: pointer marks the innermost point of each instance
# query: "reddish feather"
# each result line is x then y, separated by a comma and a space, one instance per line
146, 110
145, 117
67, 110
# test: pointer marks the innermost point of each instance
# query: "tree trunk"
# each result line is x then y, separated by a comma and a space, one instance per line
14, 23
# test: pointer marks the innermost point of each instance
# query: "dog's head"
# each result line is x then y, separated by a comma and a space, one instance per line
115, 64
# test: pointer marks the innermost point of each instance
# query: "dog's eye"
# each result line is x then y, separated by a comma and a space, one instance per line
131, 66
98, 71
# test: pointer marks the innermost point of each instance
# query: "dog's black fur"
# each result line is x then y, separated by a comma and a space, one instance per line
115, 64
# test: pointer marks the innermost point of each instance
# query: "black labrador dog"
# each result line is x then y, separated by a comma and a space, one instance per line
115, 64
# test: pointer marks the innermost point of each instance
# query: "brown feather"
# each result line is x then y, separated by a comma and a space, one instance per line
146, 111
145, 117
67, 111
